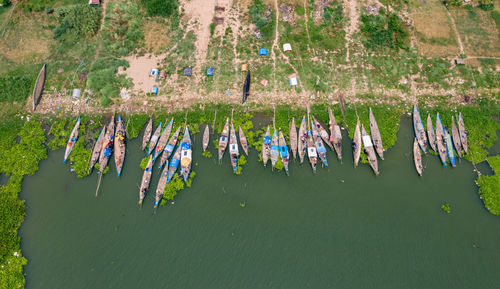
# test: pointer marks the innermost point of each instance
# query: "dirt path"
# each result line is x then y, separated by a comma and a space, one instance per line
275, 45
455, 30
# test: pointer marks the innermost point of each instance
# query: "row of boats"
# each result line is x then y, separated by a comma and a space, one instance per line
440, 140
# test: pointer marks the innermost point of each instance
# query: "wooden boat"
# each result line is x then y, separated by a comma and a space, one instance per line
266, 146
322, 133
223, 139
162, 182
335, 134
246, 88
174, 164
302, 140
440, 141
39, 85
243, 140
97, 149
274, 149
357, 144
369, 150
119, 145
283, 151
311, 151
449, 147
206, 137
107, 145
154, 139
419, 130
430, 133
320, 148
293, 138
162, 141
377, 139
169, 148
147, 133
234, 152
456, 137
73, 137
417, 157
146, 178
186, 155
463, 133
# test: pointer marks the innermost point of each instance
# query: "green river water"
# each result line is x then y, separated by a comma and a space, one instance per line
340, 228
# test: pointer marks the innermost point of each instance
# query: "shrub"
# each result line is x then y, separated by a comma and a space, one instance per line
14, 88
105, 101
77, 20
383, 30
165, 8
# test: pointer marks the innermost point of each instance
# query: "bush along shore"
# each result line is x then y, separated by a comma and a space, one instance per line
489, 186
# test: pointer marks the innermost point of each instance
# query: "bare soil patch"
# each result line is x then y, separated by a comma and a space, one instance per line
156, 36
140, 67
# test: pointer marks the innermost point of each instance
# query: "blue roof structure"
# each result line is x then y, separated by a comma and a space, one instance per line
210, 71
263, 51
154, 90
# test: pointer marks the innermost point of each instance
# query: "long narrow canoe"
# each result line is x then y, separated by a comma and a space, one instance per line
223, 139
293, 138
162, 141
357, 144
96, 152
430, 133
266, 146
335, 134
369, 150
174, 164
311, 151
322, 133
39, 85
417, 157
154, 139
283, 151
449, 147
320, 147
463, 133
419, 130
440, 142
119, 145
107, 145
274, 149
73, 137
302, 140
456, 137
146, 178
170, 147
186, 154
206, 137
162, 182
243, 140
234, 152
147, 133
377, 139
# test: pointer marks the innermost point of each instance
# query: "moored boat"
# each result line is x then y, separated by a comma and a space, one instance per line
266, 146
293, 138
456, 137
147, 133
243, 140
96, 151
335, 134
417, 157
449, 147
375, 132
311, 151
463, 133
107, 145
440, 141
39, 85
73, 137
223, 139
274, 149
162, 141
419, 130
357, 144
283, 151
206, 137
186, 155
431, 135
146, 178
119, 145
322, 132
174, 164
169, 148
234, 152
162, 182
320, 147
369, 150
302, 140
154, 139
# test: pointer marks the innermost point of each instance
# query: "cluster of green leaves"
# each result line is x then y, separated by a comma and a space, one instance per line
104, 81
265, 23
77, 21
165, 8
241, 162
489, 187
135, 123
385, 30
175, 186
80, 155
486, 5
207, 154
144, 163
59, 134
15, 87
446, 208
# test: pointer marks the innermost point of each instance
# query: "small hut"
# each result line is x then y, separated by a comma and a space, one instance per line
76, 93
210, 71
153, 72
460, 61
263, 52
94, 2
287, 47
163, 74
293, 81
188, 71
154, 90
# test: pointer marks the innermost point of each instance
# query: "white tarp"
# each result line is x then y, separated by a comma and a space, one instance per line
311, 152
367, 142
233, 149
287, 47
